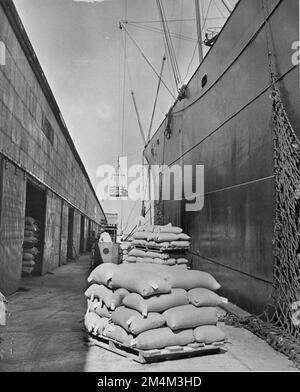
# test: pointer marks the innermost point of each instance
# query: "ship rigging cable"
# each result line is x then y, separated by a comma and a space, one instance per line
169, 45
197, 43
159, 31
123, 107
122, 25
156, 97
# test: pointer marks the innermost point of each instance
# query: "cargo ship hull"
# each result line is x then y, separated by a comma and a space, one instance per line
225, 124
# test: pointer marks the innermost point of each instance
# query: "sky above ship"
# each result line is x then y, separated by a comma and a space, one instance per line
81, 49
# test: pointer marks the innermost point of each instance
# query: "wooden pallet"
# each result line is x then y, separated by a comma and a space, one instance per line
149, 356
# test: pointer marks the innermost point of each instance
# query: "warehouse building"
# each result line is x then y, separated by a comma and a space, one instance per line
41, 173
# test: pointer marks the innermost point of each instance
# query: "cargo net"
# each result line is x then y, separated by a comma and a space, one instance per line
286, 295
280, 323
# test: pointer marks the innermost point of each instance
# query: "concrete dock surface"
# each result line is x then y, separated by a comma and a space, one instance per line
44, 334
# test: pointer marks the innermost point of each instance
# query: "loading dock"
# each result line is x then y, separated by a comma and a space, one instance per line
36, 208
70, 233
82, 232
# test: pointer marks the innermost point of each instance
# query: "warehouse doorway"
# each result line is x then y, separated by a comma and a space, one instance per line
70, 245
82, 224
34, 231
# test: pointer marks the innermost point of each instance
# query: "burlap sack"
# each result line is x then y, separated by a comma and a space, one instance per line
204, 297
157, 228
30, 241
140, 324
137, 253
118, 296
117, 333
94, 323
156, 303
132, 278
144, 260
164, 245
123, 316
26, 263
170, 229
183, 237
102, 310
143, 235
32, 227
188, 316
133, 322
161, 338
190, 279
103, 274
27, 256
111, 299
130, 259
180, 244
29, 233
167, 262
27, 270
99, 291
182, 261
165, 237
209, 334
139, 242
29, 220
34, 251
181, 278
157, 255
159, 245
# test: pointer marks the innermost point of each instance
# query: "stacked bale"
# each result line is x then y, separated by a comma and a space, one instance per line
164, 245
30, 250
124, 250
162, 237
158, 306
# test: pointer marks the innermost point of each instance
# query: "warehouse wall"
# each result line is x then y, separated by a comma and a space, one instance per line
32, 131
35, 140
12, 209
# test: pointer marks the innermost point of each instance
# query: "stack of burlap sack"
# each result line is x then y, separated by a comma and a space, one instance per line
151, 306
163, 237
137, 255
151, 244
124, 250
30, 250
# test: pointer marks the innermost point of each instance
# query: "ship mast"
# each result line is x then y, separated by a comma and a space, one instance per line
199, 29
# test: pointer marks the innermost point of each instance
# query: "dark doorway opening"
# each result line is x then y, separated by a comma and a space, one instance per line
35, 213
82, 224
70, 246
